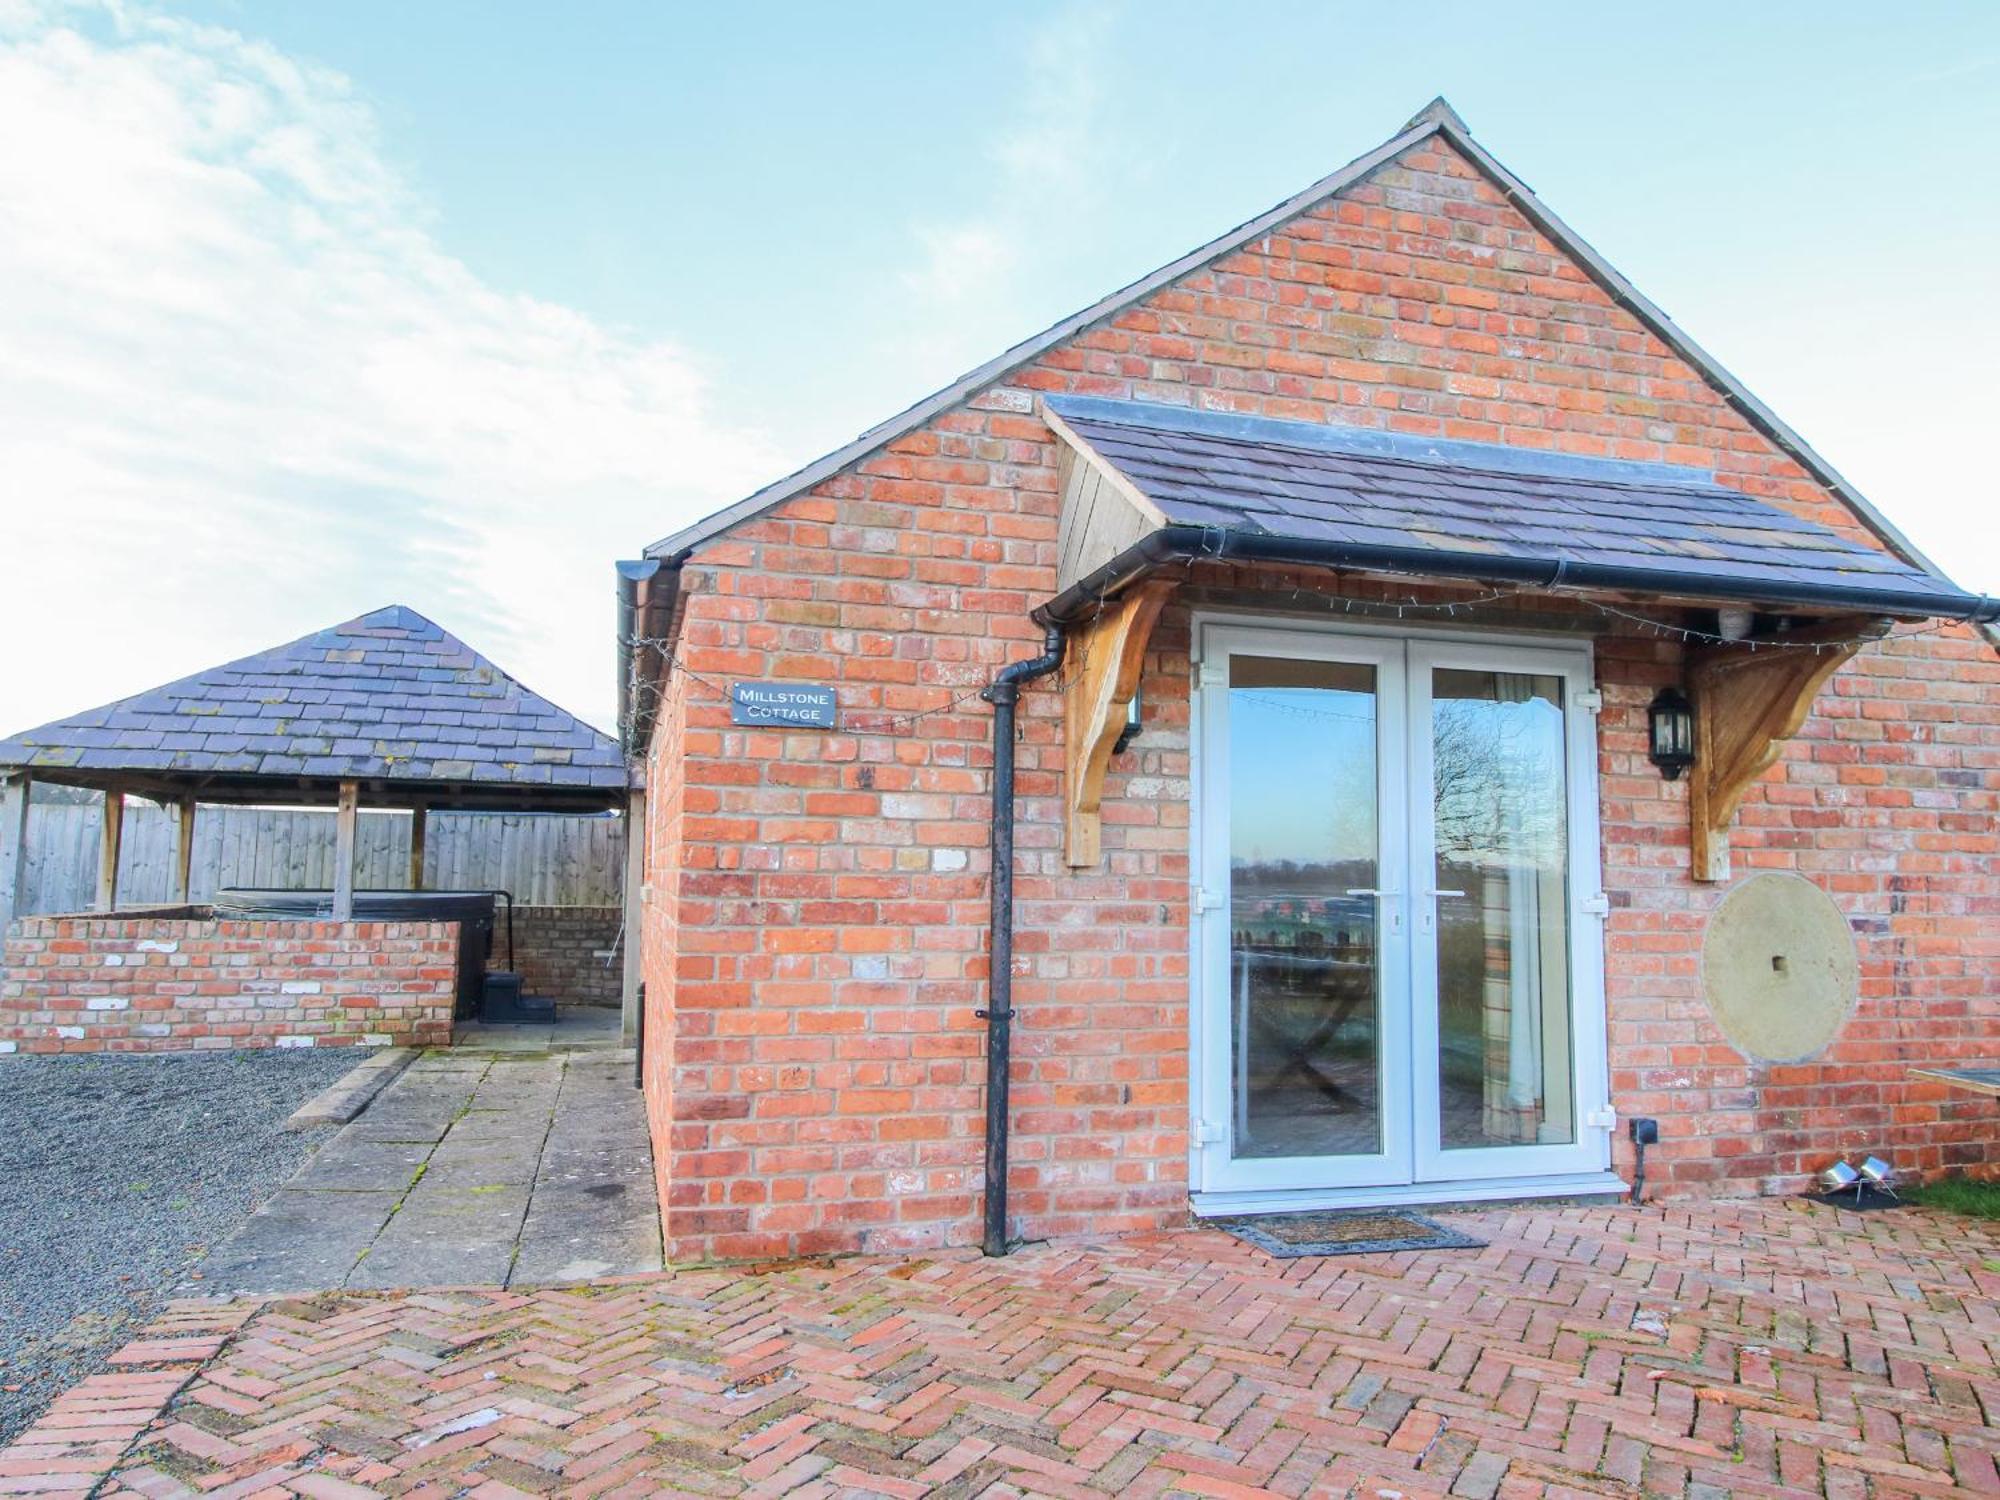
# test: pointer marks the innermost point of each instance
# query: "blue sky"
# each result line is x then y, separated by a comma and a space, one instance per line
314, 307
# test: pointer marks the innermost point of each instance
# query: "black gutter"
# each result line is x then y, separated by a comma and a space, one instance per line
1004, 694
644, 587
1180, 544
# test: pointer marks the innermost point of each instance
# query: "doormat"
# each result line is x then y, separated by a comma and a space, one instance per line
1344, 1232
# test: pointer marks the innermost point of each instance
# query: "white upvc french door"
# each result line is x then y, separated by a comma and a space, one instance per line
1398, 954
1305, 1056
1506, 949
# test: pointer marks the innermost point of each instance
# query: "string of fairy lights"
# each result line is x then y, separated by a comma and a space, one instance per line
1300, 598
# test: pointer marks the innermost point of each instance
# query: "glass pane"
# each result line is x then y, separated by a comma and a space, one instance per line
1303, 973
1502, 930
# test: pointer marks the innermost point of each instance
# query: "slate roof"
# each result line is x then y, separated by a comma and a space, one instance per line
1257, 477
1437, 119
388, 697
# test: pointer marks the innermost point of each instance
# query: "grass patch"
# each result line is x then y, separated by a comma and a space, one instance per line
1958, 1195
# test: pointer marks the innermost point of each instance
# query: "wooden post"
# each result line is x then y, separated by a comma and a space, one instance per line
635, 886
419, 825
111, 833
184, 856
344, 820
14, 798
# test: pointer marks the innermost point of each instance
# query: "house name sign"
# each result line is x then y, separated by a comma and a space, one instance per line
765, 705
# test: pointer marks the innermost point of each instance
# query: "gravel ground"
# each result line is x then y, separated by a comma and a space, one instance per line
116, 1174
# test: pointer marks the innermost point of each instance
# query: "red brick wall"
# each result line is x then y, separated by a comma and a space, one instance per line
153, 983
816, 921
670, 864
568, 953
1888, 799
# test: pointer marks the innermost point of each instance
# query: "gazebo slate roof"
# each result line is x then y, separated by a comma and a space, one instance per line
390, 700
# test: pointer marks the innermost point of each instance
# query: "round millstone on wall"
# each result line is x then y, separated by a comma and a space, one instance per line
1778, 968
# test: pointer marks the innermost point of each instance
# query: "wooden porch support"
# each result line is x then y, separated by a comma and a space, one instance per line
13, 846
345, 816
110, 835
1105, 657
632, 949
420, 818
1746, 705
184, 853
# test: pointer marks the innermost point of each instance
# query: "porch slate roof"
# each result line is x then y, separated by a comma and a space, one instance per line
387, 697
1312, 482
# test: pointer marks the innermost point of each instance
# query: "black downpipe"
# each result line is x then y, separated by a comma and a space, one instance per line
639, 1042
631, 575
999, 1013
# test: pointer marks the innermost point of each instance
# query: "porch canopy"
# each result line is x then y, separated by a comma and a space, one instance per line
387, 709
1147, 487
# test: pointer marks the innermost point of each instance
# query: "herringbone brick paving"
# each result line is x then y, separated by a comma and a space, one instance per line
1760, 1347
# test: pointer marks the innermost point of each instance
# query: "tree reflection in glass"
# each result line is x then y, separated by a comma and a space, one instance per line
1502, 915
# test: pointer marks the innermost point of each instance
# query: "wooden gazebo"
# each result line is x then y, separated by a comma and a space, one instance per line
387, 710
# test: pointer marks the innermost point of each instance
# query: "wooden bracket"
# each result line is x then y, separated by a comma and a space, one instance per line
1105, 658
1746, 705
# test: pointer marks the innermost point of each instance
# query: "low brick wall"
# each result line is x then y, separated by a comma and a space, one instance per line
562, 953
168, 981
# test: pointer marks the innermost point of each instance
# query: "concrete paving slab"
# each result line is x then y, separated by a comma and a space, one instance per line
576, 1028
585, 1109
605, 1164
425, 1130
302, 1240
578, 1233
523, 1128
443, 1236
353, 1163
609, 1142
353, 1092
473, 1164
467, 1170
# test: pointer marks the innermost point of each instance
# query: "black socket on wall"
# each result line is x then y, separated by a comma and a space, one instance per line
1645, 1132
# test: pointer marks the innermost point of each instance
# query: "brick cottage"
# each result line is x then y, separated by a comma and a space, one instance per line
1427, 713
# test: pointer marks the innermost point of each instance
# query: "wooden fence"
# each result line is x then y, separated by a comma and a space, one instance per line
544, 859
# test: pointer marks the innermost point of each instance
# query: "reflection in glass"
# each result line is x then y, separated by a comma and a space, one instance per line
1502, 928
1303, 974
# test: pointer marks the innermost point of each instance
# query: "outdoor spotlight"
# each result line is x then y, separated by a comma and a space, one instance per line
1645, 1132
1670, 732
1839, 1177
1878, 1174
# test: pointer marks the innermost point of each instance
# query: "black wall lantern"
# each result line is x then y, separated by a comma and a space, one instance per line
1670, 732
1132, 724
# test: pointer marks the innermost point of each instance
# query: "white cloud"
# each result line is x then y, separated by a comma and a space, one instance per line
244, 392
975, 280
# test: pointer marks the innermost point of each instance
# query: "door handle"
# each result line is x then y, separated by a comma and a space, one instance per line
1395, 914
1429, 913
